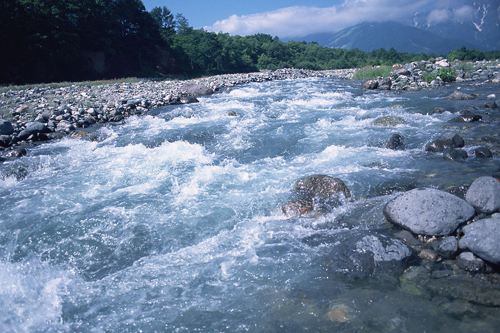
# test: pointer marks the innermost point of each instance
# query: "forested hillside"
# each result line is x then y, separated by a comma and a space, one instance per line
55, 40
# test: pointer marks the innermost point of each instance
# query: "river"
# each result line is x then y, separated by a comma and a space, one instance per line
171, 222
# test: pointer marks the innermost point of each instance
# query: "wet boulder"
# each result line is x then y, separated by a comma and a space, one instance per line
188, 99
466, 117
318, 193
5, 140
297, 208
389, 121
483, 239
196, 89
483, 152
428, 212
461, 96
370, 84
454, 154
395, 142
445, 142
484, 194
35, 129
6, 127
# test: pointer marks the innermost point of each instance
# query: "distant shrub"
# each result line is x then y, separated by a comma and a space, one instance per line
368, 73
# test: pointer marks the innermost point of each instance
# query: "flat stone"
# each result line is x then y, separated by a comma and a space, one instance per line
484, 194
428, 212
483, 239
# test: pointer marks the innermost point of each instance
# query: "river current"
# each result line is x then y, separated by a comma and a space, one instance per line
171, 222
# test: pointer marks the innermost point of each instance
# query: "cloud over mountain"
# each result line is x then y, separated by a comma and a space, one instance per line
304, 20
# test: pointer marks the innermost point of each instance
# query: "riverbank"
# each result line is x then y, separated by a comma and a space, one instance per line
40, 113
44, 113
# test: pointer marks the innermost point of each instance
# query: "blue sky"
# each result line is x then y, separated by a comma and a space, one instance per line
202, 13
297, 18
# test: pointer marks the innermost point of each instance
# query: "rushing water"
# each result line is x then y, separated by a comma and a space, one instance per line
171, 221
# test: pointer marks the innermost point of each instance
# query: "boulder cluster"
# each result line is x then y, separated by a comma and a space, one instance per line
427, 74
466, 229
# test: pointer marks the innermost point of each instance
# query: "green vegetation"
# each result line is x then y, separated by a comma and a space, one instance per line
473, 55
446, 74
367, 73
74, 40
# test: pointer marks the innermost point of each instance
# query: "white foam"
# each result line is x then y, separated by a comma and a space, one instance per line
31, 296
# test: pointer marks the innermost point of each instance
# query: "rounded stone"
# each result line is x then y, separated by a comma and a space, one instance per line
484, 194
483, 239
428, 212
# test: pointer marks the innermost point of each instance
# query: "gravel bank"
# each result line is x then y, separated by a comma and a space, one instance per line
43, 113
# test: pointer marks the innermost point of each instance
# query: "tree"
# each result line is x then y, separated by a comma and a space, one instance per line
165, 20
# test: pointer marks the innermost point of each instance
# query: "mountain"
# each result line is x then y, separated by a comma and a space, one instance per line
479, 24
470, 23
371, 36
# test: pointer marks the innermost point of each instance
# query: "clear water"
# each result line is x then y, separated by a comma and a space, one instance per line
172, 222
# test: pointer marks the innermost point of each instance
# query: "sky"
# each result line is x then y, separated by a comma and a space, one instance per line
297, 18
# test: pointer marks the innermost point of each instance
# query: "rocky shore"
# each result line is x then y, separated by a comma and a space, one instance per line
38, 114
434, 73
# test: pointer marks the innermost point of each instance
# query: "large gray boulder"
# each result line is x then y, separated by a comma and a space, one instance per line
6, 127
196, 90
484, 195
483, 239
428, 212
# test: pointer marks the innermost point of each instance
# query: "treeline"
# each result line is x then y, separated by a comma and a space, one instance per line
56, 40
473, 55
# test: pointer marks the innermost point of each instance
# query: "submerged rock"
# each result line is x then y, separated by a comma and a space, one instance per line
483, 239
460, 95
454, 154
395, 142
446, 247
484, 194
445, 142
428, 212
483, 152
469, 262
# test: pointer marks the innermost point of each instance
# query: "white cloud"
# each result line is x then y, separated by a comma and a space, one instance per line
303, 20
438, 16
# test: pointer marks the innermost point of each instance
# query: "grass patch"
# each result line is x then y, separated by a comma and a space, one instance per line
446, 74
367, 73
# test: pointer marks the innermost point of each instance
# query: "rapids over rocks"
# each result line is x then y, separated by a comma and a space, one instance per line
172, 221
